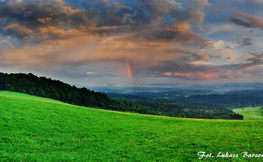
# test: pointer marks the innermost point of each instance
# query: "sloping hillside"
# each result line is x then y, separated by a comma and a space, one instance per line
250, 113
39, 129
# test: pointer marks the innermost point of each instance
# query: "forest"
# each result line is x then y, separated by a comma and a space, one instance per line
235, 99
229, 99
55, 89
189, 109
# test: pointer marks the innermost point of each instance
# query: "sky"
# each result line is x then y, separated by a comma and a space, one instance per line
122, 43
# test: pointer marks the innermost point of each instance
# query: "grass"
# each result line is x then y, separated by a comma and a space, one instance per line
39, 129
250, 113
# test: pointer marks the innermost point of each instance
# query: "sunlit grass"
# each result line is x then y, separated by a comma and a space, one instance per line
39, 129
250, 113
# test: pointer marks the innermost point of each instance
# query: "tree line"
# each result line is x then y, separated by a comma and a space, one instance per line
55, 89
175, 108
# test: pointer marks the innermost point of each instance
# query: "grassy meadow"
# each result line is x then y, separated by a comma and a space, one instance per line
39, 129
250, 113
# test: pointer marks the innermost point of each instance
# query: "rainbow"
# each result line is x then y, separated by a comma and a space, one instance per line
129, 70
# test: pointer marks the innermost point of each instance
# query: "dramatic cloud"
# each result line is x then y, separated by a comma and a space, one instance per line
230, 47
157, 39
205, 71
56, 27
191, 71
246, 20
256, 53
245, 42
170, 37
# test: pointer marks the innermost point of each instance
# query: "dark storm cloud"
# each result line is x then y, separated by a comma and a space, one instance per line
204, 71
115, 14
170, 66
176, 36
245, 41
240, 22
66, 33
214, 56
230, 47
94, 16
24, 19
256, 60
28, 14
35, 14
256, 53
246, 20
253, 62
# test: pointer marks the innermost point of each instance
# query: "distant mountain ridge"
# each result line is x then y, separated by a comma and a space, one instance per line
55, 89
156, 88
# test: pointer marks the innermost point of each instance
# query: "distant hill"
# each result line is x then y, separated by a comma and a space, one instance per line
55, 89
178, 88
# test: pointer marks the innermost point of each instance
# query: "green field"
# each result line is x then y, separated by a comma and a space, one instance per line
38, 129
250, 113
